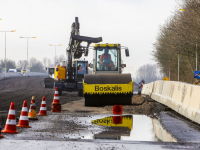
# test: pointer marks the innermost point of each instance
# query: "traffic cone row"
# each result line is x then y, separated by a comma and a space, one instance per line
11, 126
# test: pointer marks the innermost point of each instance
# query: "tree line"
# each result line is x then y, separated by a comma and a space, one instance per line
180, 37
34, 64
149, 73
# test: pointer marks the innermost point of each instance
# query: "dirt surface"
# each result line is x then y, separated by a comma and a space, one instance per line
23, 88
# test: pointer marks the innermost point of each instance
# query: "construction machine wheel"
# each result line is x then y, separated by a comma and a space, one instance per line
60, 92
103, 100
108, 89
80, 92
48, 83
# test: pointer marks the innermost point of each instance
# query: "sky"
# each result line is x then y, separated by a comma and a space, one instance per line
132, 23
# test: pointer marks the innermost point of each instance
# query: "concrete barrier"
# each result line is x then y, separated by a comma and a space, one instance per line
162, 133
190, 107
145, 89
182, 97
157, 90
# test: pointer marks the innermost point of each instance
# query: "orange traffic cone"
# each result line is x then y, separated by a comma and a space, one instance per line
32, 113
0, 130
56, 106
33, 103
10, 126
23, 120
117, 109
43, 109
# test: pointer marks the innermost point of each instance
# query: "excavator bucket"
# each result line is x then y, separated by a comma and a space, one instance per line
108, 89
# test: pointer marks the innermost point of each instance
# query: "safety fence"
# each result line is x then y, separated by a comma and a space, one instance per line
182, 97
19, 74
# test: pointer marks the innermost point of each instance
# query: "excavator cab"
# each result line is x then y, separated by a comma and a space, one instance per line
81, 68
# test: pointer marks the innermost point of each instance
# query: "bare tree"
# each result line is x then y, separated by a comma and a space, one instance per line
50, 63
10, 64
61, 58
22, 64
45, 62
179, 38
36, 65
148, 73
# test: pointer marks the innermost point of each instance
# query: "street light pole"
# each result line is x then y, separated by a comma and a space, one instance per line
178, 51
27, 46
5, 55
178, 66
5, 49
55, 50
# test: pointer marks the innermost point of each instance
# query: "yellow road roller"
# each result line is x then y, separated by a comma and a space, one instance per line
107, 85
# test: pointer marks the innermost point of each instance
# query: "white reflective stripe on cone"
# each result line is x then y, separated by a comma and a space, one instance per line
43, 108
11, 121
23, 118
56, 92
11, 112
30, 110
43, 102
56, 97
24, 109
33, 104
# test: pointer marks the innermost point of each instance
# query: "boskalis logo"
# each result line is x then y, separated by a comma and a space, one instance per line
108, 88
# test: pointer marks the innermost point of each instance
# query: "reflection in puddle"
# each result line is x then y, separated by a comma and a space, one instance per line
161, 133
126, 127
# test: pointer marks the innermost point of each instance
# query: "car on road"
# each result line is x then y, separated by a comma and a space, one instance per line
12, 70
24, 71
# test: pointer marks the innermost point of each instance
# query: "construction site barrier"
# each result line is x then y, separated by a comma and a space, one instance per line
179, 96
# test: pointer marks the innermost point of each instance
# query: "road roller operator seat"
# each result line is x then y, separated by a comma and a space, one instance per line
105, 62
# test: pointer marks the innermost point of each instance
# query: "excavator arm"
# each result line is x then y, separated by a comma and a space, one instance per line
75, 49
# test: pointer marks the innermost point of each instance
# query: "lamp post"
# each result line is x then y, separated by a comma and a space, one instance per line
55, 50
178, 53
27, 46
5, 48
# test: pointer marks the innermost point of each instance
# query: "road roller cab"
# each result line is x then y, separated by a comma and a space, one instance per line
107, 85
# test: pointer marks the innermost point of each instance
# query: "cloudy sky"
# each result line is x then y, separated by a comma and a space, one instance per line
132, 23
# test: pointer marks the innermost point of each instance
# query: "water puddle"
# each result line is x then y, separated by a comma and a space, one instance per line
126, 127
95, 126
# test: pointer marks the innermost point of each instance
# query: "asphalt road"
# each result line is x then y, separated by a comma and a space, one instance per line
65, 130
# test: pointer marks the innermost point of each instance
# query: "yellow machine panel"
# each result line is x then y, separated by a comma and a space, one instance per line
60, 73
108, 88
105, 45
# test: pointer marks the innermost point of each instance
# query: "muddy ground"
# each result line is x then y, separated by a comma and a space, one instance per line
23, 88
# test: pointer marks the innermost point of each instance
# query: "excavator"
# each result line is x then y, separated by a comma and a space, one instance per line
107, 85
68, 75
